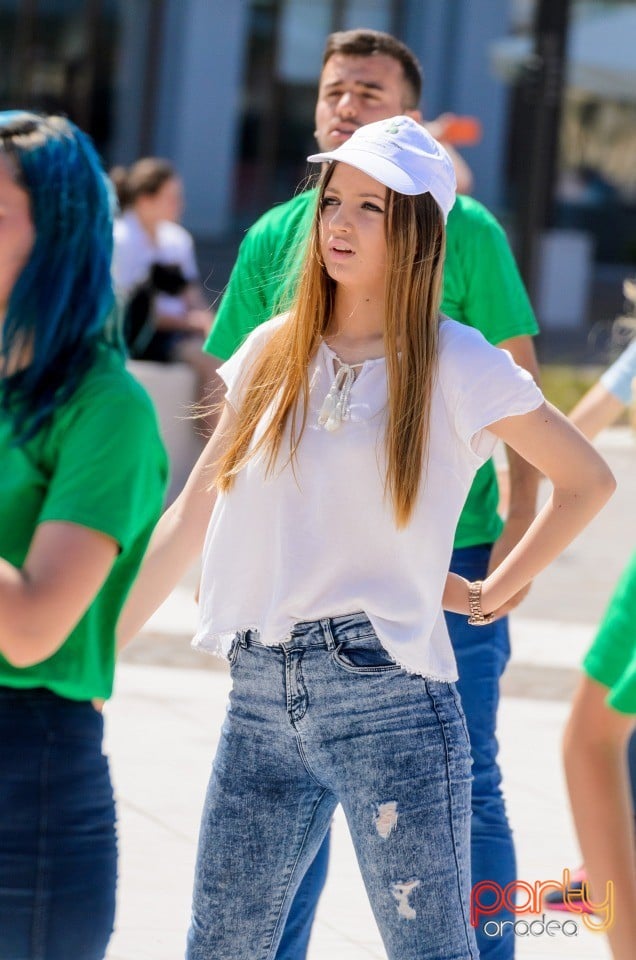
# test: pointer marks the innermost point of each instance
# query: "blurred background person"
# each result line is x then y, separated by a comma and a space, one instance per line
82, 484
166, 318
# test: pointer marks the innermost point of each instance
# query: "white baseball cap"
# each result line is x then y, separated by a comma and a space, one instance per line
401, 154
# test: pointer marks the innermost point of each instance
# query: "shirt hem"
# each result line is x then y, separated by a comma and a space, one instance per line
219, 645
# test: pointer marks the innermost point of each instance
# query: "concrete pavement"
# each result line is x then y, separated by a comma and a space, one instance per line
163, 723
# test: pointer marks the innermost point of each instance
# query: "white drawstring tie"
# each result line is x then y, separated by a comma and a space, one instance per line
335, 406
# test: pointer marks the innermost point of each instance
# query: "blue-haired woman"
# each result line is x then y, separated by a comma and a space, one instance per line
82, 482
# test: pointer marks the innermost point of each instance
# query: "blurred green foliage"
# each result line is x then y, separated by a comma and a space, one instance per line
564, 385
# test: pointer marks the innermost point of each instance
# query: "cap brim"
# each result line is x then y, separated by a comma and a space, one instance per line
380, 168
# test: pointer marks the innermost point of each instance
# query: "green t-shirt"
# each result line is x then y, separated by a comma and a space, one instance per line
100, 463
482, 288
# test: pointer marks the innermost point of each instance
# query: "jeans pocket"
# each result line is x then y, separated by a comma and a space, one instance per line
364, 655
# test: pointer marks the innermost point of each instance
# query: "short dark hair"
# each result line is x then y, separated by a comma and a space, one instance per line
369, 43
145, 178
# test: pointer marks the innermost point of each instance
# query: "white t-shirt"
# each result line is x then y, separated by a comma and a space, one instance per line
281, 549
135, 252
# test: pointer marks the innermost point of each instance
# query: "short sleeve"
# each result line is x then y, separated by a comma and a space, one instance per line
618, 378
235, 372
244, 304
485, 385
109, 470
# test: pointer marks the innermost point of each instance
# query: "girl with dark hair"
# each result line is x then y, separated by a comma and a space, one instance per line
82, 483
351, 431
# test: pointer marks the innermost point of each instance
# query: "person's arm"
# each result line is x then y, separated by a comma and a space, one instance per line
41, 602
582, 483
603, 403
596, 410
493, 300
185, 313
106, 471
452, 131
523, 477
178, 538
188, 310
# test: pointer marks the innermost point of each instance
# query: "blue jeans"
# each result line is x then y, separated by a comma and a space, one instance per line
482, 654
58, 854
328, 717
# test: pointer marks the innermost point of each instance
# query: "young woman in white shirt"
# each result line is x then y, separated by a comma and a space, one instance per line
350, 434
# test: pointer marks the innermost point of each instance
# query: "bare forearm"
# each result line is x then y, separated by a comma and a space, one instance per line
171, 552
563, 517
558, 523
15, 639
596, 410
581, 484
42, 602
177, 541
191, 321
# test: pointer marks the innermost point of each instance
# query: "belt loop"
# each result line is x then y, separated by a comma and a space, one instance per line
328, 634
242, 638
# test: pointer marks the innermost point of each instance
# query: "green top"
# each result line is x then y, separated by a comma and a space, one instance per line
611, 660
99, 463
482, 288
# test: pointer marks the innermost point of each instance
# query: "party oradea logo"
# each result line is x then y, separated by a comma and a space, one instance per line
488, 898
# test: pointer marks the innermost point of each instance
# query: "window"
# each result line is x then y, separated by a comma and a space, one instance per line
60, 56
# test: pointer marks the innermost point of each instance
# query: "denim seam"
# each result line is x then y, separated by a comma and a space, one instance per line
462, 716
305, 763
271, 955
452, 822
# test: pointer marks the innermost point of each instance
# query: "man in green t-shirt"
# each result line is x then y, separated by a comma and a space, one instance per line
369, 76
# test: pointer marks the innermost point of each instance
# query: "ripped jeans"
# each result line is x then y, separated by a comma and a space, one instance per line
328, 717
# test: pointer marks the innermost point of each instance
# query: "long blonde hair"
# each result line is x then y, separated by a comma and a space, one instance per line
278, 377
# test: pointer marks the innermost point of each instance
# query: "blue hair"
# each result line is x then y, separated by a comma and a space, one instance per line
62, 305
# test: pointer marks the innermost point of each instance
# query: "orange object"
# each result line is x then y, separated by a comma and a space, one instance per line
461, 131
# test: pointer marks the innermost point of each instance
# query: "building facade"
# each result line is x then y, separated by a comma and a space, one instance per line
226, 88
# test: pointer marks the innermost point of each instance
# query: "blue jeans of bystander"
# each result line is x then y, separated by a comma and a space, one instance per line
482, 654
